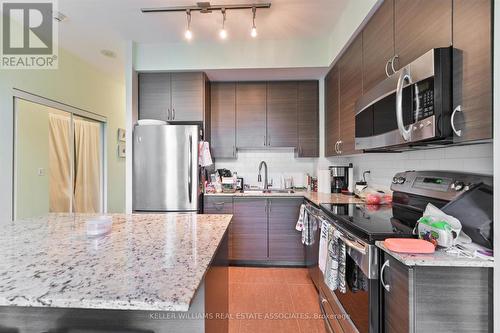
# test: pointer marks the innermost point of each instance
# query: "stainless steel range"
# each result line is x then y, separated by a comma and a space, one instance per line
360, 226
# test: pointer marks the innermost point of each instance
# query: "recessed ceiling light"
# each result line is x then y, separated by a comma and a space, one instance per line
108, 53
59, 17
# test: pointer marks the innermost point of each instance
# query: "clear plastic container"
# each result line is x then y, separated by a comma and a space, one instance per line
99, 225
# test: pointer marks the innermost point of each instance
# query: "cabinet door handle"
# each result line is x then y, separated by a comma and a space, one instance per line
386, 67
168, 114
270, 206
173, 114
269, 140
340, 147
392, 63
385, 285
265, 141
336, 147
457, 109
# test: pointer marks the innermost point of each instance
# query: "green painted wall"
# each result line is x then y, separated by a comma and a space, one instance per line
76, 83
32, 153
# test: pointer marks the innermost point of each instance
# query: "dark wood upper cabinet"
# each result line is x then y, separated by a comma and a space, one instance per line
420, 25
267, 114
308, 119
332, 118
251, 115
154, 96
378, 45
285, 243
188, 96
173, 97
223, 119
472, 69
248, 229
351, 88
282, 114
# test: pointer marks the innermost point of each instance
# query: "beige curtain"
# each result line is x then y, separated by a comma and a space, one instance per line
60, 185
87, 190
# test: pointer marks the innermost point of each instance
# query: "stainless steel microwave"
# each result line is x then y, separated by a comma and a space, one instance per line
412, 107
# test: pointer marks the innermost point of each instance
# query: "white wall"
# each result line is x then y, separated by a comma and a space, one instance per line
352, 19
234, 55
280, 163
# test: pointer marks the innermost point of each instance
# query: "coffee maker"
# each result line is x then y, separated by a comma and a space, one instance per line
341, 179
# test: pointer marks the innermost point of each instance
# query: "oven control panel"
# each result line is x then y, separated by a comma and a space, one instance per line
443, 185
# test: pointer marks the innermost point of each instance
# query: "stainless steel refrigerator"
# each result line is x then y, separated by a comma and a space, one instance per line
165, 176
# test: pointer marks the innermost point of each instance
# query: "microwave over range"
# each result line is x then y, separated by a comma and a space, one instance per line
412, 107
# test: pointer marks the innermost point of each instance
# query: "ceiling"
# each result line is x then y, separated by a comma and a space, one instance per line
93, 25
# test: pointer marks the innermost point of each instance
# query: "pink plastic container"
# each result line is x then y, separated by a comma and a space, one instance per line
409, 245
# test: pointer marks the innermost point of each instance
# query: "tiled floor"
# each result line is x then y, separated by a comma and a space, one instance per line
273, 300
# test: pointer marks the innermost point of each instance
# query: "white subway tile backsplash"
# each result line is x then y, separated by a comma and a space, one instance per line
472, 158
280, 163
283, 163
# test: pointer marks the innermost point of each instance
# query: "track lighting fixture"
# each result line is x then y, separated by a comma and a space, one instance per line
253, 32
206, 7
223, 32
188, 34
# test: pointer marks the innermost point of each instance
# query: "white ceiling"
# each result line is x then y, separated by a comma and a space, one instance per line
93, 25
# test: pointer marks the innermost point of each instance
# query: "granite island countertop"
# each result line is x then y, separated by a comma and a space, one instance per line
440, 258
147, 262
315, 197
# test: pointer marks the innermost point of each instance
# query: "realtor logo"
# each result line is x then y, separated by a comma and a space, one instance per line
28, 35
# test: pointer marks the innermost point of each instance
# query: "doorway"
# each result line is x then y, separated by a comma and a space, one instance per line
58, 159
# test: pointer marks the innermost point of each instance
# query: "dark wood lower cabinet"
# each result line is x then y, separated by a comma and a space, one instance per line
432, 298
285, 243
248, 230
262, 230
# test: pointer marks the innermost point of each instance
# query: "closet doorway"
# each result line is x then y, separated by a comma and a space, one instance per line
58, 158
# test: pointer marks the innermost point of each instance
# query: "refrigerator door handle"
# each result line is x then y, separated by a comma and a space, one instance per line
190, 168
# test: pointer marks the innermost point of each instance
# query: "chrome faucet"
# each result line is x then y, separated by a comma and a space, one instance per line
259, 177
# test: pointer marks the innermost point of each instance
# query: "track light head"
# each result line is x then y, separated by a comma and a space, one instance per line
223, 31
253, 32
188, 34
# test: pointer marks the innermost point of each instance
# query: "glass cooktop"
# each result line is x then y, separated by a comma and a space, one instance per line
370, 222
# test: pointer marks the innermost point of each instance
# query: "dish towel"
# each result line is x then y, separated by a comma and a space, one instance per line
323, 245
205, 158
299, 226
307, 230
336, 261
356, 279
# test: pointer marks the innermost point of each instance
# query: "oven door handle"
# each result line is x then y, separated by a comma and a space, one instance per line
351, 243
354, 246
323, 300
403, 77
